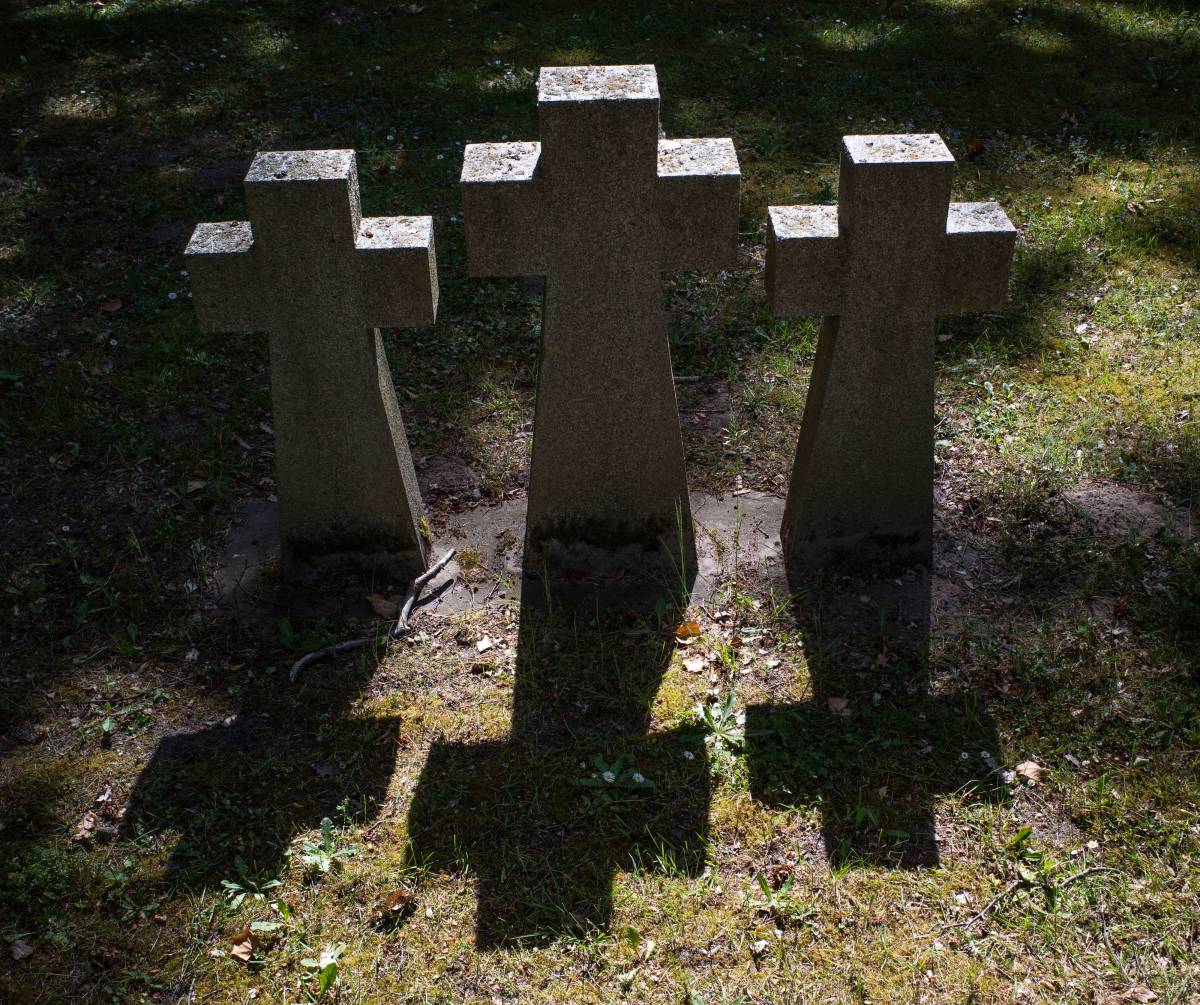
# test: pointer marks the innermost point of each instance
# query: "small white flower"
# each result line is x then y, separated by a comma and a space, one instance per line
688, 755
390, 137
609, 777
964, 756
172, 295
638, 777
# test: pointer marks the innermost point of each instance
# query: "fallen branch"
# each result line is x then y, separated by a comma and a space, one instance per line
1015, 885
398, 629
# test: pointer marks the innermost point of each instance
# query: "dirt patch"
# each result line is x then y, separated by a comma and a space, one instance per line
444, 475
1117, 511
705, 409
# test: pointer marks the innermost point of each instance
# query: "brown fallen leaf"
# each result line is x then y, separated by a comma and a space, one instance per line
397, 902
243, 945
20, 950
85, 830
688, 630
195, 485
111, 306
1140, 993
1031, 771
382, 606
975, 148
840, 706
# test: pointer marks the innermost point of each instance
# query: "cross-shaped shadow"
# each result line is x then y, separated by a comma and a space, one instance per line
579, 789
874, 747
236, 792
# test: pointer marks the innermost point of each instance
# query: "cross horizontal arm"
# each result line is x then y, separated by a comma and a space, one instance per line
804, 260
396, 271
698, 182
222, 262
980, 240
502, 208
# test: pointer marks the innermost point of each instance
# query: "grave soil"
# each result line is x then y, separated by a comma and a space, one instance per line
976, 784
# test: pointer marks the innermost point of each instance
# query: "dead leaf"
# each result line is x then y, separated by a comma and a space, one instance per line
687, 631
1031, 771
195, 485
415, 8
111, 306
382, 606
1140, 993
694, 664
975, 148
20, 950
244, 944
85, 830
398, 900
484, 644
840, 706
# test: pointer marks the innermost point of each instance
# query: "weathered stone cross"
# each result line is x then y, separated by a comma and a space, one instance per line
319, 279
600, 207
881, 265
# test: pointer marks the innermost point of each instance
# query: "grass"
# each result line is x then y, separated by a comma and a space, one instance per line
836, 832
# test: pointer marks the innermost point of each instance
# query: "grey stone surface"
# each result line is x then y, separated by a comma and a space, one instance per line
880, 265
600, 207
320, 279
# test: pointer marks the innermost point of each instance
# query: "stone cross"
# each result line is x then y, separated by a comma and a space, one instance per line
600, 207
880, 265
321, 279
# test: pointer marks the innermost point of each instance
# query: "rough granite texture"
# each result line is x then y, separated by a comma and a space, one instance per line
320, 279
600, 207
881, 265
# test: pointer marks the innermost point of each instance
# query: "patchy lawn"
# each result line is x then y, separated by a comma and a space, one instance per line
808, 799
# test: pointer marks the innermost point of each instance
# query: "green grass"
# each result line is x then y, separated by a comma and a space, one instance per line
807, 849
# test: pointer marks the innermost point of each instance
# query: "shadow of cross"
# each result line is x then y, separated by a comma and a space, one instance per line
321, 279
893, 254
533, 818
874, 748
601, 207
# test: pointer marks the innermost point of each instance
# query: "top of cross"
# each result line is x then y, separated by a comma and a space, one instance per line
301, 165
597, 83
307, 250
897, 148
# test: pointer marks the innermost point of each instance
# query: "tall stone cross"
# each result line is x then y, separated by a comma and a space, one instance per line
321, 279
600, 207
880, 265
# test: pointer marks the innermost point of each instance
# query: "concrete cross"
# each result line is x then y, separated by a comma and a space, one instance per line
321, 279
600, 207
880, 265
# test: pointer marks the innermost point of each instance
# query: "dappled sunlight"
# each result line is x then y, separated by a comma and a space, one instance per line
815, 817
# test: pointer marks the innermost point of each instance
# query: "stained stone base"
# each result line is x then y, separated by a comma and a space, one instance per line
735, 535
866, 552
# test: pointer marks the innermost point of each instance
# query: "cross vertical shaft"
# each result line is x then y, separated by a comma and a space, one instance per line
880, 266
319, 278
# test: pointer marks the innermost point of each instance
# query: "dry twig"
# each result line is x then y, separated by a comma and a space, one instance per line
398, 629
